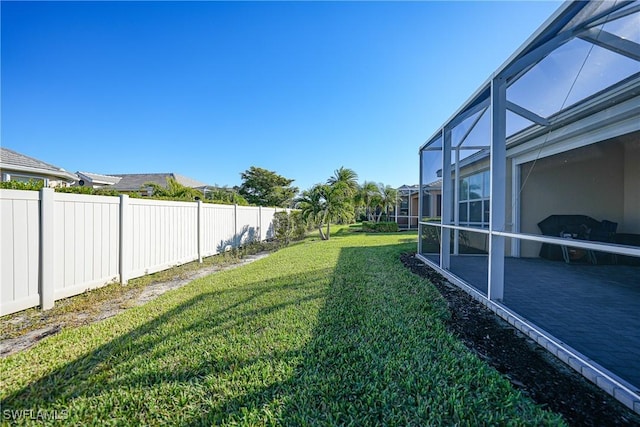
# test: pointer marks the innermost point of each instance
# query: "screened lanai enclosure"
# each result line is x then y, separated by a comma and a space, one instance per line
540, 208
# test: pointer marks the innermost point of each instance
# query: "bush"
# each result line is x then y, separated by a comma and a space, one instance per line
282, 226
299, 225
289, 226
32, 184
379, 227
89, 190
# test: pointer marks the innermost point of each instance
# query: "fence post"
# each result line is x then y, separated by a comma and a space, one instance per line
259, 223
200, 231
47, 261
271, 224
124, 238
236, 243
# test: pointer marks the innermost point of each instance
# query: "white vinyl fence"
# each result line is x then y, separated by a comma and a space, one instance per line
55, 245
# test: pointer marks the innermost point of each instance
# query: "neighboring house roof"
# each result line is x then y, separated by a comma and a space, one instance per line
435, 185
405, 188
96, 178
13, 161
188, 182
135, 181
410, 189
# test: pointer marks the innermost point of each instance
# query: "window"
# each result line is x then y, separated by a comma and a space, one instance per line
24, 178
404, 205
474, 200
426, 205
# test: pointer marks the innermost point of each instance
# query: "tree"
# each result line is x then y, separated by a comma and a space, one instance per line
266, 188
345, 181
226, 195
323, 204
387, 199
346, 178
289, 226
367, 196
312, 206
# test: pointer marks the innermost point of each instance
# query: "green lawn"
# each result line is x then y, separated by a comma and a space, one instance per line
319, 333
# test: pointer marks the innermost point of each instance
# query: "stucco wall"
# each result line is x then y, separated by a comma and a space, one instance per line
586, 181
631, 223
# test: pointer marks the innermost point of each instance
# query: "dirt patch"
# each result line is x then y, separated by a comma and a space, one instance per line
529, 367
51, 325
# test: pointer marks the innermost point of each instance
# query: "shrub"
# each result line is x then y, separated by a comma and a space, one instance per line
282, 226
225, 196
89, 190
289, 226
380, 227
32, 184
299, 225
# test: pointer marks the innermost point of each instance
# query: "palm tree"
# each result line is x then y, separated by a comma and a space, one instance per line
312, 207
388, 196
366, 196
324, 204
345, 177
345, 181
339, 205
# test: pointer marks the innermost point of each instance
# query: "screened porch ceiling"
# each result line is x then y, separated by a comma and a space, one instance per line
584, 51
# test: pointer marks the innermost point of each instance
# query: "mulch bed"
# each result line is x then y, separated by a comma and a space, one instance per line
529, 367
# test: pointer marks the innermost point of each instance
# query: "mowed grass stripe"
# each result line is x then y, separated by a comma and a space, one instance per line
319, 333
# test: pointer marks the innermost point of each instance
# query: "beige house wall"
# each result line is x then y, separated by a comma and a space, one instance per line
51, 181
585, 181
631, 223
413, 210
599, 180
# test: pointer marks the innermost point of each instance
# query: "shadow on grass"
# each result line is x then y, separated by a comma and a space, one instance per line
354, 344
191, 323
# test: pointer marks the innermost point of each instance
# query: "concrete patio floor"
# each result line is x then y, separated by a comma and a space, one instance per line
594, 309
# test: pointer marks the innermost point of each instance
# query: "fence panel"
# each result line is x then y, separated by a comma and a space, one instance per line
266, 226
161, 234
85, 241
248, 221
86, 251
218, 226
20, 250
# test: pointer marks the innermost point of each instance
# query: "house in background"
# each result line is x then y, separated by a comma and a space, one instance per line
15, 166
406, 211
553, 133
95, 180
135, 182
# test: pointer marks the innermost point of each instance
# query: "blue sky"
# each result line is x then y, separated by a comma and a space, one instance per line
208, 89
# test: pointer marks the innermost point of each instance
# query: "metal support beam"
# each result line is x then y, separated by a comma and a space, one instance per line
473, 125
612, 42
482, 105
420, 202
519, 67
615, 15
456, 203
515, 207
606, 14
498, 163
447, 193
529, 115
